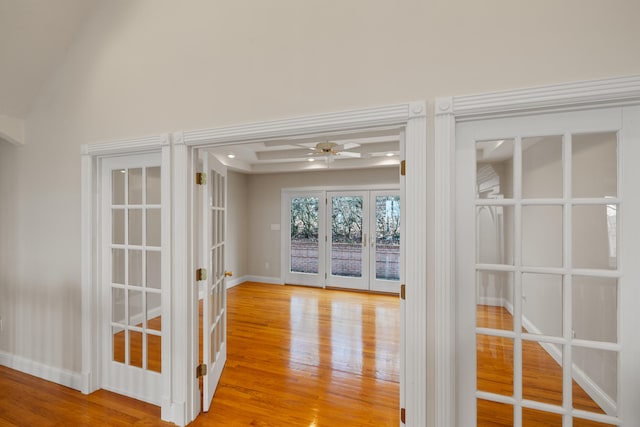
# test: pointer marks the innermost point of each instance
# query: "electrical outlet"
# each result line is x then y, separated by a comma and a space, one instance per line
266, 265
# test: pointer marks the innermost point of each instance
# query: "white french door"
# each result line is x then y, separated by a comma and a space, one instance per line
547, 269
347, 233
214, 318
344, 239
132, 286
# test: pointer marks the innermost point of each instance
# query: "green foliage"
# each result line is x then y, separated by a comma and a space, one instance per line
304, 218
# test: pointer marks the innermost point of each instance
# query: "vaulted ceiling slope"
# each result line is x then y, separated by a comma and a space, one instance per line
34, 37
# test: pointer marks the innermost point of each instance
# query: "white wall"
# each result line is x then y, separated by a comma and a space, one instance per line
149, 66
265, 202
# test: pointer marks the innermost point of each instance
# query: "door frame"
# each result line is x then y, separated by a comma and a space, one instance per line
92, 264
411, 120
619, 91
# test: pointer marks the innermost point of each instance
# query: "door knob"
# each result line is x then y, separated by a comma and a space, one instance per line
228, 273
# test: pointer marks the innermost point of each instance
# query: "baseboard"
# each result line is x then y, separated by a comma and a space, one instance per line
236, 281
598, 395
60, 376
264, 279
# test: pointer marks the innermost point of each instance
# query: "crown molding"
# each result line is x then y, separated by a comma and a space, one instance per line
367, 118
150, 143
616, 91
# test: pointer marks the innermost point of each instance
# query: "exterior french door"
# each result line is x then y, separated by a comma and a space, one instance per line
344, 239
132, 288
214, 318
547, 294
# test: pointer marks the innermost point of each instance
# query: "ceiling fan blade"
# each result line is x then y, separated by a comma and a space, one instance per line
350, 154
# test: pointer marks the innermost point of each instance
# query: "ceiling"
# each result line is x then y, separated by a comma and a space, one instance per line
36, 34
34, 37
355, 150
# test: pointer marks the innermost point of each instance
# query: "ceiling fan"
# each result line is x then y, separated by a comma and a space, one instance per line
330, 149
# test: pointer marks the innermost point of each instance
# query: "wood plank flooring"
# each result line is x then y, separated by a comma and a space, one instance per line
308, 357
541, 381
299, 357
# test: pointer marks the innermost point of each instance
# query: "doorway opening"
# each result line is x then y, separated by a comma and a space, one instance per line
256, 221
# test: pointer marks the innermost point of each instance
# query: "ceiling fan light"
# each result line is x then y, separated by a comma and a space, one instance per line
389, 154
231, 156
311, 159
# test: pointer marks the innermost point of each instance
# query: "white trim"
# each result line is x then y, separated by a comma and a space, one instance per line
92, 157
411, 117
236, 281
617, 91
60, 376
265, 279
354, 120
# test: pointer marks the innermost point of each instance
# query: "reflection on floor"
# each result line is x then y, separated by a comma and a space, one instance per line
541, 381
154, 344
300, 356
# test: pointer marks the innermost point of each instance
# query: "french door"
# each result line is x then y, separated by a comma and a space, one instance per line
547, 281
345, 239
214, 316
131, 291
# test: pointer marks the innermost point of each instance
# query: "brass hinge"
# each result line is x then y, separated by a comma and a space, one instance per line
201, 274
403, 167
201, 370
201, 178
402, 291
403, 415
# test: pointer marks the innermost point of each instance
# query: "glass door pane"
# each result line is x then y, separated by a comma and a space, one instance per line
385, 241
304, 234
348, 253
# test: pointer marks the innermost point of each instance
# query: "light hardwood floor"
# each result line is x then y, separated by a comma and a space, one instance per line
296, 357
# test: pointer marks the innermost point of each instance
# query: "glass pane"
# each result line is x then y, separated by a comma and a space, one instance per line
117, 226
599, 370
153, 269
135, 227
542, 304
495, 234
135, 349
135, 186
153, 186
135, 268
304, 234
154, 353
136, 313
595, 236
346, 236
495, 364
117, 305
542, 167
494, 414
154, 311
118, 344
494, 169
542, 372
117, 266
117, 186
535, 418
388, 237
153, 227
495, 300
594, 166
595, 308
542, 236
